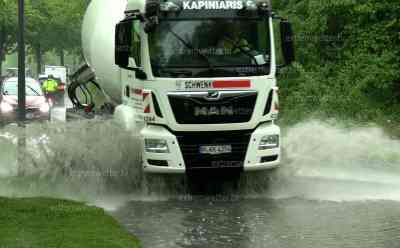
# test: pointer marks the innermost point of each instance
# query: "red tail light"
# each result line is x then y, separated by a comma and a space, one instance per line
61, 87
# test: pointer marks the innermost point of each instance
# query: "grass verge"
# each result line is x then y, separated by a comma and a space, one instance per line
40, 222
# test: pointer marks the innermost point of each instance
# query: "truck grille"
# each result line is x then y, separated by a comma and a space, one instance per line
190, 143
213, 107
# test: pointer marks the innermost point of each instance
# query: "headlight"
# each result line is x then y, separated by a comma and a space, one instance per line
45, 108
156, 146
269, 142
6, 107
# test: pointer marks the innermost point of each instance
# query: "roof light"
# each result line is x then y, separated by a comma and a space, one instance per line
169, 7
264, 5
251, 5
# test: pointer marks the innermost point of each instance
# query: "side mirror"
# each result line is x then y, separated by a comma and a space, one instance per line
123, 46
123, 41
140, 74
287, 39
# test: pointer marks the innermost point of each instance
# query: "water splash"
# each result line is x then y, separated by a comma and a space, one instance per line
84, 160
332, 162
97, 162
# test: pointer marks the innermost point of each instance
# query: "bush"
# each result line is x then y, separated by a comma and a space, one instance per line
348, 60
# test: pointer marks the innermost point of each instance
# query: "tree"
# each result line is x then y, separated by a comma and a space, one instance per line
38, 16
54, 25
8, 28
349, 59
67, 26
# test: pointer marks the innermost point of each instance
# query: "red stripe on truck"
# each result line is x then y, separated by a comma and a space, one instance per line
147, 109
145, 95
232, 84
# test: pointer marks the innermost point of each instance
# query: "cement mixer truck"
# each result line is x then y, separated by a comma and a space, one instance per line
194, 81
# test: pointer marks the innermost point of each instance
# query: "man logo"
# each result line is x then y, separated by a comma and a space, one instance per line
214, 111
213, 95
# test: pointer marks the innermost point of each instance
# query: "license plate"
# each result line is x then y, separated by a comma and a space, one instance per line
29, 116
215, 149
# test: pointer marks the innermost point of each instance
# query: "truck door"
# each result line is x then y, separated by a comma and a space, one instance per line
133, 87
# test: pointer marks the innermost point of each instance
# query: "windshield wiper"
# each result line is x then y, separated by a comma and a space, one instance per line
33, 90
219, 73
210, 65
172, 70
177, 73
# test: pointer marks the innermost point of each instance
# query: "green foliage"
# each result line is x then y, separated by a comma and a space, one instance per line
8, 28
54, 26
62, 22
349, 60
55, 23
51, 25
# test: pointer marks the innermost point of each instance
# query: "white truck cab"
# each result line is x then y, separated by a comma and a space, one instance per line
198, 83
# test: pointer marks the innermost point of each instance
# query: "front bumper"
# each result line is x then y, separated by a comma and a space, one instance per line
263, 159
184, 149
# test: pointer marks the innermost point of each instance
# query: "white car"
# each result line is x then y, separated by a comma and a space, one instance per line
37, 106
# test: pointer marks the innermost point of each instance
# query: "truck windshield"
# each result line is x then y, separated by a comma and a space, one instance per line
210, 48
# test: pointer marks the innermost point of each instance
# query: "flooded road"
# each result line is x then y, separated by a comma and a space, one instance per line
253, 223
340, 188
337, 187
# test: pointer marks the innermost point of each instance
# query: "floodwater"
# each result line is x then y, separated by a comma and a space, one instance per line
250, 223
340, 188
337, 187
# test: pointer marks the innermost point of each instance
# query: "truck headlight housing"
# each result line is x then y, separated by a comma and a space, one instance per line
269, 142
156, 146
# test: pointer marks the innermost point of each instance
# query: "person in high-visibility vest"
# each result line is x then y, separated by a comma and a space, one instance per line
50, 88
50, 85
